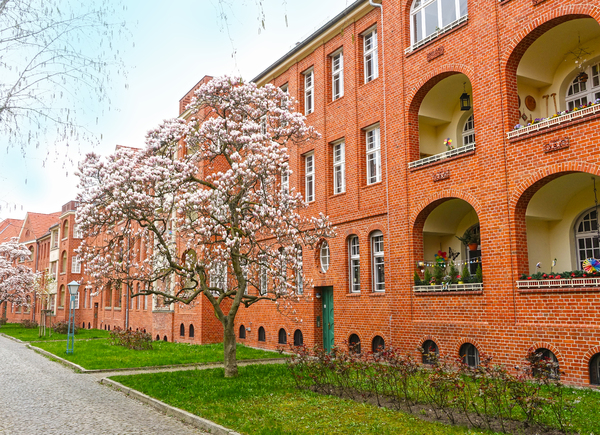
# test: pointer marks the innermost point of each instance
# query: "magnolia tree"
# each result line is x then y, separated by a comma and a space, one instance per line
205, 209
16, 280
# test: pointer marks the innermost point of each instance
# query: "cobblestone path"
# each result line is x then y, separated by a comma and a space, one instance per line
38, 396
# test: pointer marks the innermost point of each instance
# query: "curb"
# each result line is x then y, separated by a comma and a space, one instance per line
169, 410
59, 359
12, 338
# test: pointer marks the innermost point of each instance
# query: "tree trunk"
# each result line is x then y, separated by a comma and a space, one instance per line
229, 345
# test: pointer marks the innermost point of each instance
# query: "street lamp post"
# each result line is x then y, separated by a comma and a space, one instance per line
73, 287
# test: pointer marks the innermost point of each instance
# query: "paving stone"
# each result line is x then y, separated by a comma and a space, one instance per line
39, 396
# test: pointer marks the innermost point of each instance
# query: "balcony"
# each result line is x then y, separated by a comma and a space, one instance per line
558, 283
476, 287
556, 120
442, 156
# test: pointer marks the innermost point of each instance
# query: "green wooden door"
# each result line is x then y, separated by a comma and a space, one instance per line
327, 297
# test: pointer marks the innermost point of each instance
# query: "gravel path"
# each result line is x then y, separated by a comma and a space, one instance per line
38, 396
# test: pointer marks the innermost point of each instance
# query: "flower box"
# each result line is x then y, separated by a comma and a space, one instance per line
469, 287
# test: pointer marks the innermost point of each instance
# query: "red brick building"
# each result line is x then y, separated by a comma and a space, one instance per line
383, 86
417, 103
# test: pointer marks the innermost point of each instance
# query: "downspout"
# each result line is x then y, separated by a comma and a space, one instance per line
37, 257
387, 173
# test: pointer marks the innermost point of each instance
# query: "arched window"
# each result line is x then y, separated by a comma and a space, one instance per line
354, 343
157, 337
430, 16
89, 325
165, 338
282, 336
430, 352
586, 230
582, 90
324, 256
300, 273
595, 370
378, 261
469, 354
298, 338
354, 263
108, 327
468, 133
182, 330
547, 356
31, 253
242, 333
61, 296
65, 232
378, 344
191, 334
261, 334
63, 265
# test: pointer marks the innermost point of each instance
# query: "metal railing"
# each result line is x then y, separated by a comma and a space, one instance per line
558, 283
434, 35
448, 288
441, 156
553, 121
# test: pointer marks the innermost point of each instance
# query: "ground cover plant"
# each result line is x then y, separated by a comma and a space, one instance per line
17, 330
528, 399
101, 354
264, 400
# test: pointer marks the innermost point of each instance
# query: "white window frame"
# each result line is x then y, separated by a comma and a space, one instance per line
76, 264
354, 260
339, 167
263, 281
77, 232
300, 273
417, 12
378, 259
373, 154
370, 55
468, 132
285, 180
587, 236
218, 277
309, 91
75, 302
309, 176
575, 98
337, 75
324, 256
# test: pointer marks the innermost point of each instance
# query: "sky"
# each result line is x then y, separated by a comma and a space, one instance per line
172, 45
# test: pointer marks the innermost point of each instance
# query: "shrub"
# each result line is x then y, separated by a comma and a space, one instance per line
136, 340
29, 324
63, 328
3, 321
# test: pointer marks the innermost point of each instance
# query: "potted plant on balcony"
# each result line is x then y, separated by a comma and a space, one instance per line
470, 238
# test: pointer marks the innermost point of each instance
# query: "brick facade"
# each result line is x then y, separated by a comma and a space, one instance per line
497, 180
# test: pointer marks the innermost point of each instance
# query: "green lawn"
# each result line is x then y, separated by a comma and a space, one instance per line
99, 354
264, 400
17, 331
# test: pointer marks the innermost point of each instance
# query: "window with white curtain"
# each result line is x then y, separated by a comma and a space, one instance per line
378, 262
339, 168
370, 55
427, 17
309, 87
354, 254
337, 75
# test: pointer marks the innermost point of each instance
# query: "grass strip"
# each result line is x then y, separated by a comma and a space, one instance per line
264, 400
100, 354
32, 334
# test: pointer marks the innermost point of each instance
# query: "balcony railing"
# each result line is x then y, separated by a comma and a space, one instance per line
441, 156
434, 35
553, 121
558, 283
448, 288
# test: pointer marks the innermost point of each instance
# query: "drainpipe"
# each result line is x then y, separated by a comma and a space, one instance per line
387, 173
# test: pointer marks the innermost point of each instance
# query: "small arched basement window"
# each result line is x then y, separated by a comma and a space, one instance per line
282, 336
242, 332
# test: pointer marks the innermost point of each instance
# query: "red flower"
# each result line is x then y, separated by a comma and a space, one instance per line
558, 277
528, 277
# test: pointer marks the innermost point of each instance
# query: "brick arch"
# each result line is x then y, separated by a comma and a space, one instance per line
427, 205
433, 338
417, 93
464, 340
544, 344
375, 227
588, 356
527, 35
522, 194
371, 336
